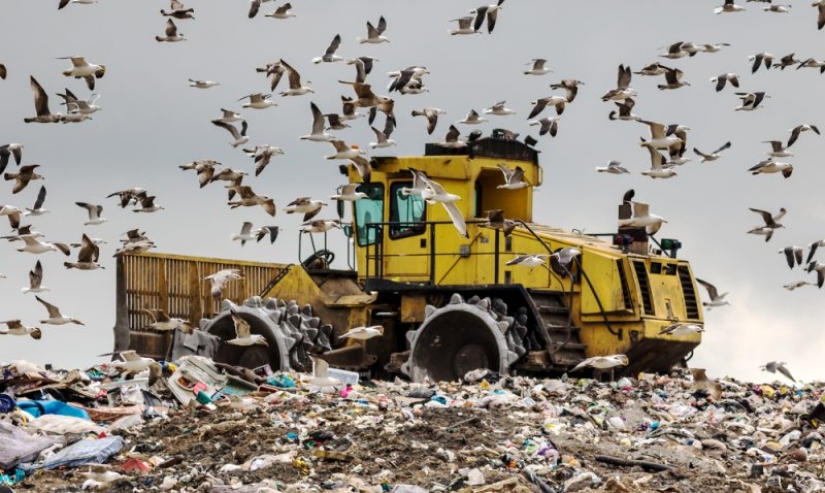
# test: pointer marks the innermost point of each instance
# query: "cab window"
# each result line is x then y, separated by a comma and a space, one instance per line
369, 209
408, 213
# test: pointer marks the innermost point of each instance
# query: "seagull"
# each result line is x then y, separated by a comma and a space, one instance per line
178, 11
77, 106
642, 218
131, 362
203, 84
659, 139
613, 167
64, 3
320, 225
763, 58
295, 87
452, 139
418, 184
363, 67
771, 219
363, 333
240, 136
569, 85
35, 280
623, 90
435, 193
653, 69
282, 12
264, 231
798, 284
431, 114
245, 235
329, 55
813, 63
728, 6
820, 272
258, 101
243, 332
464, 26
557, 102
127, 196
13, 149
779, 9
681, 329
220, 279
786, 61
262, 154
624, 112
171, 32
134, 247
776, 366
55, 317
496, 220
750, 100
94, 211
799, 129
382, 138
793, 254
229, 116
375, 34
23, 176
537, 67
41, 105
722, 79
820, 21
274, 71
254, 7
38, 209
499, 109
13, 214
306, 205
712, 156
546, 125
513, 179
233, 176
85, 70
318, 134
673, 79
812, 249
348, 192
777, 149
490, 12
603, 363
86, 257
472, 118
147, 204
714, 48
771, 166
716, 299
362, 166
344, 151
16, 328
335, 122
320, 374
249, 198
674, 51
529, 260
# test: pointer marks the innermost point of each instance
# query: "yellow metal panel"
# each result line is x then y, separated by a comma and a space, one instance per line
606, 284
412, 308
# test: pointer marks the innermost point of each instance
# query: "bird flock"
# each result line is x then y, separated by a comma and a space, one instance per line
390, 115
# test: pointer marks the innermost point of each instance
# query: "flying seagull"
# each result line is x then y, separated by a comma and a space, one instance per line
537, 67
35, 280
318, 134
712, 156
799, 129
723, 79
9, 150
243, 332
220, 279
240, 136
295, 86
513, 178
41, 105
793, 254
306, 205
282, 12
375, 34
86, 257
622, 90
55, 317
23, 176
778, 366
435, 193
489, 12
16, 328
81, 69
249, 198
546, 125
728, 6
571, 86
771, 166
761, 59
178, 11
613, 167
431, 114
642, 218
716, 299
329, 55
171, 33
94, 211
750, 100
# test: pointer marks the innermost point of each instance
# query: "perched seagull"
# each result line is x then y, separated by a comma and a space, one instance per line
558, 102
513, 179
16, 328
38, 209
799, 129
537, 67
489, 12
728, 6
295, 86
653, 69
777, 366
793, 254
363, 333
721, 80
258, 101
625, 111
41, 105
431, 114
546, 125
435, 193
375, 33
243, 332
716, 299
763, 58
178, 11
220, 279
496, 220
147, 204
778, 149
613, 167
248, 198
329, 55
8, 150
94, 211
320, 225
771, 166
642, 218
382, 138
571, 86
452, 139
171, 33
55, 317
681, 329
23, 176
344, 151
464, 26
35, 280
240, 136
86, 257
282, 12
318, 134
203, 84
306, 205
798, 284
623, 90
812, 249
712, 156
673, 79
81, 69
348, 192
262, 154
499, 109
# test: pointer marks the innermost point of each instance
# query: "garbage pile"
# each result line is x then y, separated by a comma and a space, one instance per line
198, 426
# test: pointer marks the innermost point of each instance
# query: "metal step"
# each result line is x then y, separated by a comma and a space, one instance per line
564, 345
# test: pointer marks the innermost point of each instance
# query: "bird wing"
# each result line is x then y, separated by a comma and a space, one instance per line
363, 167
294, 76
452, 134
171, 29
36, 275
254, 6
41, 99
766, 216
229, 127
624, 77
242, 327
382, 25
508, 173
781, 368
87, 250
41, 197
246, 228
317, 120
336, 42
53, 310
456, 217
712, 292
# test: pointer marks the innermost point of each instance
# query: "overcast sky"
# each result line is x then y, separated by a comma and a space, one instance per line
152, 122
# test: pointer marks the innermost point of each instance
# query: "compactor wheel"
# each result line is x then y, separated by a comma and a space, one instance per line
460, 337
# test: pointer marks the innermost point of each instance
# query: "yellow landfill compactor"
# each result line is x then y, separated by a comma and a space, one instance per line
448, 303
